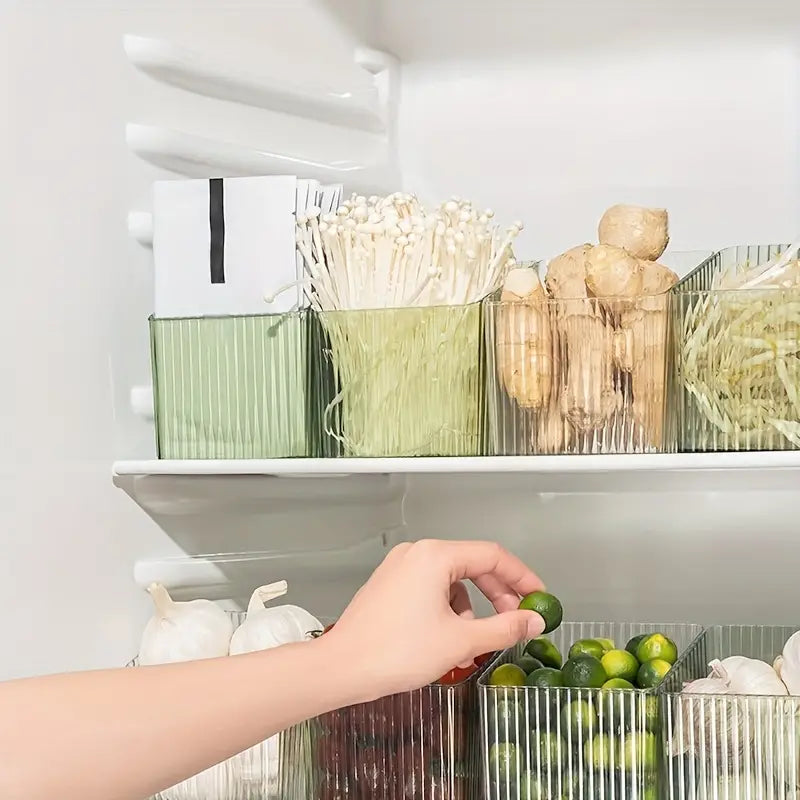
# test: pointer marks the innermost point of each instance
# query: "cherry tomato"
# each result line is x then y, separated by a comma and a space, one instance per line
457, 675
481, 660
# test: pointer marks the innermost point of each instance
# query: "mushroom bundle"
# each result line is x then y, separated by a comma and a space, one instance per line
585, 351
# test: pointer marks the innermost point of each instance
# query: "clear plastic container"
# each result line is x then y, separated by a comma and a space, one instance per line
576, 744
576, 376
727, 747
404, 381
231, 387
276, 769
421, 745
736, 362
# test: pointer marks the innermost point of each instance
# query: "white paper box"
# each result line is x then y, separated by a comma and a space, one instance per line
221, 245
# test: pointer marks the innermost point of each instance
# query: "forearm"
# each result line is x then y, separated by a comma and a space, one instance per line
125, 734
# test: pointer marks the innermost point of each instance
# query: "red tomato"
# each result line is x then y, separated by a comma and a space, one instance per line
457, 675
481, 660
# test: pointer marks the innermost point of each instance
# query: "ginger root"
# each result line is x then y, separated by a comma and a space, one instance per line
643, 232
587, 395
523, 340
612, 272
640, 348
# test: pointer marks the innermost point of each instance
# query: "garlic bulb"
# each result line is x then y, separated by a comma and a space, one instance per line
748, 676
264, 628
692, 721
789, 668
183, 631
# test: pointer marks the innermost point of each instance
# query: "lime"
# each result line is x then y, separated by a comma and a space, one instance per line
527, 663
657, 646
535, 785
638, 751
547, 750
620, 664
586, 647
545, 651
505, 716
618, 683
584, 672
545, 678
599, 751
633, 644
507, 675
608, 644
652, 713
652, 673
502, 761
578, 719
547, 606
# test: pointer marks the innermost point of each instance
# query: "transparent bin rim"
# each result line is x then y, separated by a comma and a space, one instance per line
274, 315
321, 312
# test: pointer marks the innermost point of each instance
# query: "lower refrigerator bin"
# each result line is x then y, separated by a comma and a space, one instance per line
576, 744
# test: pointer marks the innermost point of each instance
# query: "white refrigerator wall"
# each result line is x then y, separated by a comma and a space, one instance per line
549, 137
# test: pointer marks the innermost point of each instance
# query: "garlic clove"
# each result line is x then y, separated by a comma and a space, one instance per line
183, 631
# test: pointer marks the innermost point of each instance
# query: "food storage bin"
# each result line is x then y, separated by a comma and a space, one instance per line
421, 745
231, 387
277, 769
726, 747
404, 381
736, 363
576, 744
576, 376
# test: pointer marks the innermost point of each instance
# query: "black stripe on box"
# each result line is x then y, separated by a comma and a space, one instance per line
216, 218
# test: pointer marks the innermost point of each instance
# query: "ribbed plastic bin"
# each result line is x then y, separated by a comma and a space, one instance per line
576, 376
277, 769
421, 745
404, 381
736, 360
231, 387
730, 747
575, 744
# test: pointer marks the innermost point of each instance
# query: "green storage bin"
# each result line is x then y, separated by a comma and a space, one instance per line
231, 387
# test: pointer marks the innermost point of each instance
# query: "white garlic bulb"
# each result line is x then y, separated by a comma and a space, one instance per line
264, 628
692, 721
789, 668
183, 631
748, 676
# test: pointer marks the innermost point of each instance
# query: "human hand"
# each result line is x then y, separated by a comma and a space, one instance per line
412, 621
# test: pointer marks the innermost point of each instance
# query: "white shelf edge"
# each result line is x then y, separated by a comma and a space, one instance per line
195, 156
196, 73
585, 464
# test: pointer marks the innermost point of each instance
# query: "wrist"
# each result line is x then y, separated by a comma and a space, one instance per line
345, 681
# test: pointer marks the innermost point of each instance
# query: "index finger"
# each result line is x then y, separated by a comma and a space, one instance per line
475, 559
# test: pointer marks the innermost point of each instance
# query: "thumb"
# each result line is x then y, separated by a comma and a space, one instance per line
505, 630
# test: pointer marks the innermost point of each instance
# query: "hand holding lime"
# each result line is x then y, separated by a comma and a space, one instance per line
547, 606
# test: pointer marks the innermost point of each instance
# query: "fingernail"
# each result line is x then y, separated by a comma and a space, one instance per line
536, 625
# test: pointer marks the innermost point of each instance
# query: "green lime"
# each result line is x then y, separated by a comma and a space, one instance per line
598, 752
586, 647
638, 751
584, 672
545, 678
547, 606
578, 719
547, 750
536, 785
657, 646
545, 651
505, 720
620, 664
652, 673
608, 644
652, 713
507, 675
633, 644
527, 663
617, 683
502, 761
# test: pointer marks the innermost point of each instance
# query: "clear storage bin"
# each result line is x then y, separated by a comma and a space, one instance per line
730, 747
575, 744
231, 387
404, 381
576, 376
421, 745
736, 360
276, 769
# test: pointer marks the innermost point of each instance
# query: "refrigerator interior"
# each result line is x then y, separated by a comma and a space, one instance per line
511, 104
